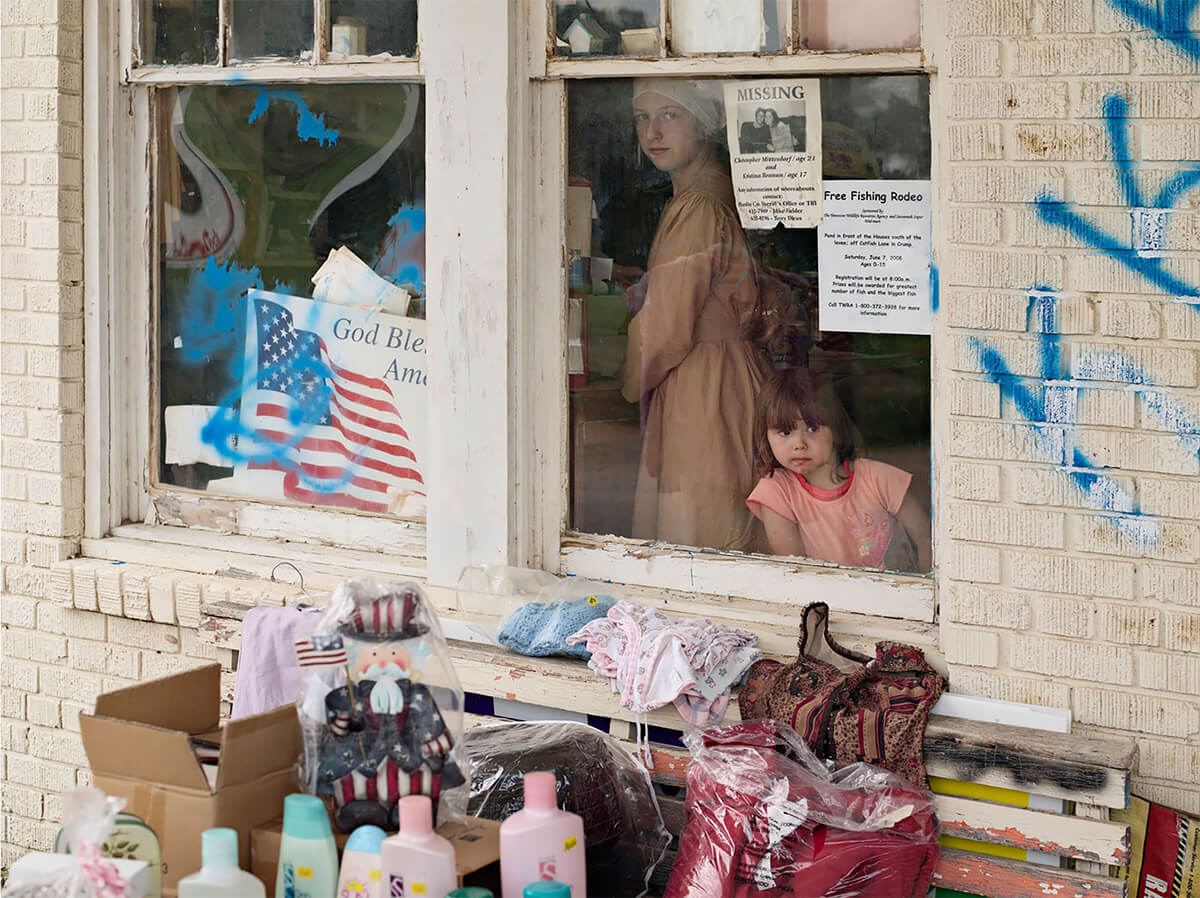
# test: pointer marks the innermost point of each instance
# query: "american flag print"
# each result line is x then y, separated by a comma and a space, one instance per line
336, 434
321, 651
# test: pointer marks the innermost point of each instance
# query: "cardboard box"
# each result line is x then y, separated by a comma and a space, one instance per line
139, 745
476, 845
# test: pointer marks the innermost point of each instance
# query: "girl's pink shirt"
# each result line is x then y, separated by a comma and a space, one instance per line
852, 524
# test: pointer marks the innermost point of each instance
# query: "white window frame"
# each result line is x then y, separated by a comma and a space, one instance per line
683, 569
496, 277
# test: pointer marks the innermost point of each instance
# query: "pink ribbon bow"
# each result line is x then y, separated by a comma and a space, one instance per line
101, 872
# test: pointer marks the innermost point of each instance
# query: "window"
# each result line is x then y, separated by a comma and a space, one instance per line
841, 300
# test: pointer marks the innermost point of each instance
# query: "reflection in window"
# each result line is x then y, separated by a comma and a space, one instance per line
681, 324
292, 290
282, 28
179, 32
370, 27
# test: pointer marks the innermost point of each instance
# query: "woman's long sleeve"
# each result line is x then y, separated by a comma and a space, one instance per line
691, 251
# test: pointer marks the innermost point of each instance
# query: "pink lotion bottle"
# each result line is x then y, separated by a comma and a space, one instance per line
417, 861
541, 842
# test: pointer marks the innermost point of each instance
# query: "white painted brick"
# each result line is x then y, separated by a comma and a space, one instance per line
62, 682
1021, 357
47, 551
1008, 100
1181, 632
996, 440
162, 598
43, 710
13, 422
979, 268
1160, 57
71, 712
1076, 660
1177, 673
989, 17
48, 775
143, 634
1136, 319
1135, 711
975, 141
12, 486
1170, 411
980, 483
1131, 624
974, 225
12, 704
1144, 99
16, 611
1178, 585
1007, 526
975, 59
1134, 451
187, 603
57, 745
984, 309
977, 648
21, 801
21, 675
1160, 759
60, 589
25, 581
1172, 795
1135, 536
1070, 575
1058, 142
1062, 16
14, 736
109, 593
1122, 363
1170, 498
1055, 487
974, 564
987, 607
135, 592
1059, 616
1072, 56
1096, 272
975, 398
1182, 321
1170, 140
155, 665
1005, 184
71, 622
1112, 408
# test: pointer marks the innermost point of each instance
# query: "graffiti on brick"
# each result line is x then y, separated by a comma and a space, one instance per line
1172, 26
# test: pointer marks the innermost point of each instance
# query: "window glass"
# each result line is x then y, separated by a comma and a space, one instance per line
860, 24
370, 27
179, 32
292, 293
281, 28
683, 325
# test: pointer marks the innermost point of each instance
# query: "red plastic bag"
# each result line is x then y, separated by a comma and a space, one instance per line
766, 819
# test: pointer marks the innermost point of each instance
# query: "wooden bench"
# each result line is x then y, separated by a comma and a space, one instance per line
1089, 773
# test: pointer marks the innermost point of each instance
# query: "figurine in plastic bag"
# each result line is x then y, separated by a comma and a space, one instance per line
384, 733
89, 820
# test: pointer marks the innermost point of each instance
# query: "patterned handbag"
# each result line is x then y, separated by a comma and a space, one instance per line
846, 706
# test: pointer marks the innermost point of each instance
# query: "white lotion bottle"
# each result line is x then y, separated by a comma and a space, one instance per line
542, 842
417, 861
308, 860
219, 875
362, 871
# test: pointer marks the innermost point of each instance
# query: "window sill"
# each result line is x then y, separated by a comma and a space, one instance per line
783, 64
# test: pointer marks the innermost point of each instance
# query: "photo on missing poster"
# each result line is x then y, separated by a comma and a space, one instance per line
774, 132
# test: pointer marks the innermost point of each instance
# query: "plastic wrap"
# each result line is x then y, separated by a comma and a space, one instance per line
89, 820
382, 706
767, 818
531, 612
624, 835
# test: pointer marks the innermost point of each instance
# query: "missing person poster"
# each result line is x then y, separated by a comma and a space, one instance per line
774, 130
873, 254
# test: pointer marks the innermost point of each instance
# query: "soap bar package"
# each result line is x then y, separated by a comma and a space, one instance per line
141, 745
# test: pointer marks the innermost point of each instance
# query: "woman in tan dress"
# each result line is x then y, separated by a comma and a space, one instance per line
695, 345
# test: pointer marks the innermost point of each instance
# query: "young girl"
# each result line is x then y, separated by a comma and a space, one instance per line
816, 498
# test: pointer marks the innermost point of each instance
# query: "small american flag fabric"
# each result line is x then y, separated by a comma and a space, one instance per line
321, 651
335, 434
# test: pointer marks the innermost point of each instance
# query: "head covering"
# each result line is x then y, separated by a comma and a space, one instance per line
701, 98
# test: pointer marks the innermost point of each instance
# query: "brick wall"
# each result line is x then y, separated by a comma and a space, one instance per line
1072, 494
1060, 583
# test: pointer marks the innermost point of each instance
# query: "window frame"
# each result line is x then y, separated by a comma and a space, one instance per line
688, 569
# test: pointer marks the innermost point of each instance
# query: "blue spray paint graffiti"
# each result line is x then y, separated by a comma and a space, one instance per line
402, 258
1173, 26
309, 125
213, 309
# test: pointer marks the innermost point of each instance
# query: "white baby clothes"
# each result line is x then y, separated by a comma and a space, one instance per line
652, 659
267, 673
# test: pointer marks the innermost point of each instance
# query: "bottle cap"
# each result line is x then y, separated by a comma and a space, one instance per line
416, 815
366, 839
471, 892
547, 889
219, 848
540, 794
305, 817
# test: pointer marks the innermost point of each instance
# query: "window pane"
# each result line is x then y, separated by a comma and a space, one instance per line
860, 24
607, 28
680, 321
731, 26
281, 28
179, 32
292, 293
367, 27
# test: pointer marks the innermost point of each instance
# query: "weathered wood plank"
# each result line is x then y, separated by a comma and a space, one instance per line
1089, 767
1002, 878
1075, 837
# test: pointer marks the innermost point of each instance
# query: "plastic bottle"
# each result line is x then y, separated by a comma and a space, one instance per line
362, 872
471, 892
542, 842
308, 864
219, 875
417, 861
